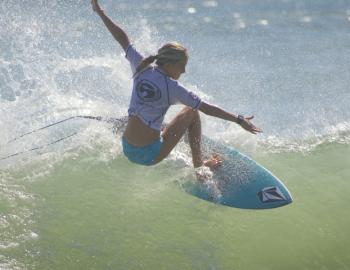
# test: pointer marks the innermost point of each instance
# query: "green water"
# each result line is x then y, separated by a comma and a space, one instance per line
88, 214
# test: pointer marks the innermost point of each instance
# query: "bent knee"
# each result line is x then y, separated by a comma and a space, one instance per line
190, 112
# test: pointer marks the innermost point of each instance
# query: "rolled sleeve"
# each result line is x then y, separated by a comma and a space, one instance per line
181, 95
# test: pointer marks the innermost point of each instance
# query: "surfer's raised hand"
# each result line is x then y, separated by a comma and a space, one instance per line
96, 7
247, 125
117, 32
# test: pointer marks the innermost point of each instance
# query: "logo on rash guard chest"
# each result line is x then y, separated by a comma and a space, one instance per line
148, 91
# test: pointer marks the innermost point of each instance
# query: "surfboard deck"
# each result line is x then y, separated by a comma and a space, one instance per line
240, 182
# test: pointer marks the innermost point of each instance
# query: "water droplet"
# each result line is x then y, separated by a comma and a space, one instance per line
263, 22
191, 10
306, 19
242, 24
207, 19
236, 15
210, 3
34, 235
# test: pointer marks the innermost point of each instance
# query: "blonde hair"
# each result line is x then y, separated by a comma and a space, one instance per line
171, 52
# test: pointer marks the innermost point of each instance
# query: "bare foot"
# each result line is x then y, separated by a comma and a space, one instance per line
214, 162
203, 174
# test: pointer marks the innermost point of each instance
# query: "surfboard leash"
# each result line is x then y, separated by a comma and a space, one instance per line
39, 147
117, 124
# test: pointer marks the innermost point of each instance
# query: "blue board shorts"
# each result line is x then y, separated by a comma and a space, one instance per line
143, 155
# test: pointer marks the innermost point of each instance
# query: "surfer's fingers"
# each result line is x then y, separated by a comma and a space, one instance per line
257, 129
249, 118
93, 3
251, 130
254, 130
95, 6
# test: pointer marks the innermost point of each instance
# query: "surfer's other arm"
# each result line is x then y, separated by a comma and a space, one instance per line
220, 113
115, 30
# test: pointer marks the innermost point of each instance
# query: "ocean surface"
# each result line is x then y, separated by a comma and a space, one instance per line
75, 202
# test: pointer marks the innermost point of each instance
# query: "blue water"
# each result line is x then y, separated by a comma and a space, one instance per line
79, 204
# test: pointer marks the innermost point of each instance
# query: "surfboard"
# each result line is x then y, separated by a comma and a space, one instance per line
240, 182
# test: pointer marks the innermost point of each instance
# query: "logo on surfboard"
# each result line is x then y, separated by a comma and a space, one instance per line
271, 194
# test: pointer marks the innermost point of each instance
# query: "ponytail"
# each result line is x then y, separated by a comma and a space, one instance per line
145, 63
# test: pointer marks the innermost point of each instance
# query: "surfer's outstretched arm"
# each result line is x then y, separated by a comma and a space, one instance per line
220, 113
115, 30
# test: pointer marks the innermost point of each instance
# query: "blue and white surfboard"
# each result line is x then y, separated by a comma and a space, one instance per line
240, 182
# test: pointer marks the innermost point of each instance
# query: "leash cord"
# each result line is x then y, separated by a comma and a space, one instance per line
117, 123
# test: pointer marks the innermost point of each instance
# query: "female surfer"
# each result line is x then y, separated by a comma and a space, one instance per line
155, 89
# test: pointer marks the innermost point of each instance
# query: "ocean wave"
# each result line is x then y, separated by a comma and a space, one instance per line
339, 133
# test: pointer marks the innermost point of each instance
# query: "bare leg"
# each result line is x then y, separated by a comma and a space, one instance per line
194, 138
187, 119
